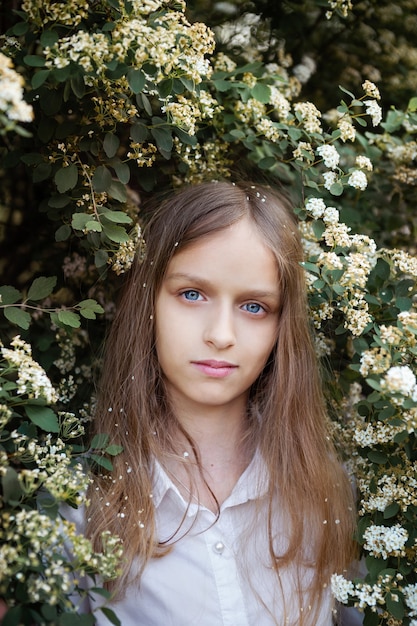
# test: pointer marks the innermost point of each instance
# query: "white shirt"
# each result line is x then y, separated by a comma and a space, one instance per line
214, 575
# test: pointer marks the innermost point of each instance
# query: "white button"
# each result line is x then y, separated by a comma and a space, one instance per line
219, 547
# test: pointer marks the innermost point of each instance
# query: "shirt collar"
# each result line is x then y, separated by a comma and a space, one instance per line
252, 484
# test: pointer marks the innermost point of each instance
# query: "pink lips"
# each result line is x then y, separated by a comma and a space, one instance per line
215, 369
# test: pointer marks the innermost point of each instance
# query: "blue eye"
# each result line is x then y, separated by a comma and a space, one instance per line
191, 294
253, 307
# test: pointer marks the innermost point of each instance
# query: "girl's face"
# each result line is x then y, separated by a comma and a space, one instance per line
217, 319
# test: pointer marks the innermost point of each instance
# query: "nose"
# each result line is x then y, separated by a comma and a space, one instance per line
220, 328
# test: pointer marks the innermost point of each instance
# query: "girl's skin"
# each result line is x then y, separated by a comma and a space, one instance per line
216, 324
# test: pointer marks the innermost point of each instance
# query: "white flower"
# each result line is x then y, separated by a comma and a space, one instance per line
331, 215
280, 103
11, 93
358, 180
364, 162
31, 377
374, 110
410, 593
304, 70
385, 540
341, 588
316, 207
329, 179
330, 156
399, 379
347, 130
371, 89
370, 595
309, 115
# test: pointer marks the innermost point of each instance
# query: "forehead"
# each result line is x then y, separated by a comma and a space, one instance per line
235, 254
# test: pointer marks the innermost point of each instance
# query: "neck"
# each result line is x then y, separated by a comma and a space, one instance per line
217, 431
218, 434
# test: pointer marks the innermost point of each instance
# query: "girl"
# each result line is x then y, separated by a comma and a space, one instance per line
229, 498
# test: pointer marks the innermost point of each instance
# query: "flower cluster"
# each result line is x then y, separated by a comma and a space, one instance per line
170, 44
127, 251
12, 105
342, 6
32, 380
384, 540
70, 13
40, 472
29, 536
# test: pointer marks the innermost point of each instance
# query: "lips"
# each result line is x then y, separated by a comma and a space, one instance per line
215, 369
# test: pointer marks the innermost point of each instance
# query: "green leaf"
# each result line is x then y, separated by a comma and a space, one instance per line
412, 104
189, 140
32, 158
371, 619
119, 217
222, 85
102, 179
21, 28
49, 612
163, 138
318, 228
99, 441
122, 170
349, 93
391, 510
89, 308
395, 607
17, 316
261, 92
165, 88
111, 144
404, 304
336, 189
377, 457
139, 133
11, 486
111, 616
34, 60
41, 287
117, 191
41, 172
9, 295
102, 461
113, 450
43, 417
49, 38
115, 233
63, 233
146, 104
374, 384
267, 163
93, 226
79, 220
68, 318
78, 85
136, 80
66, 178
39, 78
100, 258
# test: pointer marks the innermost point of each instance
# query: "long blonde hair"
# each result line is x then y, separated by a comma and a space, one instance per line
292, 434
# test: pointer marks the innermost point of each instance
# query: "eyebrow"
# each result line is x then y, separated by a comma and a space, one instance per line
197, 280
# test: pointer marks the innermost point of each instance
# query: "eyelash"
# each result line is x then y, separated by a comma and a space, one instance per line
260, 308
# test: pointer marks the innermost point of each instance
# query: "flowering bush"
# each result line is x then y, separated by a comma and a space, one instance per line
132, 96
41, 468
